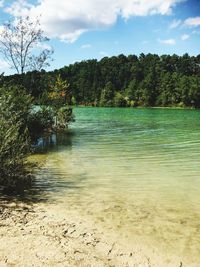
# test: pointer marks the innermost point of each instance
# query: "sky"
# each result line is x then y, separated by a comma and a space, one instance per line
87, 29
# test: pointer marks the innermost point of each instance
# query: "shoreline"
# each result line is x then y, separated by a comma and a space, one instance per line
139, 107
42, 235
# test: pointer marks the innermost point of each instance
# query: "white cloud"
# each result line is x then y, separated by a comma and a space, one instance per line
167, 41
185, 37
85, 46
175, 23
192, 22
1, 3
67, 20
3, 65
19, 8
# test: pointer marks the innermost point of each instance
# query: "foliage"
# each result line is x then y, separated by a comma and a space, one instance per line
58, 97
107, 95
59, 93
20, 124
15, 105
40, 122
14, 138
119, 100
145, 80
64, 117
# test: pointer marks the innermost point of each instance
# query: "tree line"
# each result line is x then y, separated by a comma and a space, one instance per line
123, 81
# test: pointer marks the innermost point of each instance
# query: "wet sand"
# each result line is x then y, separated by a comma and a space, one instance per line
42, 235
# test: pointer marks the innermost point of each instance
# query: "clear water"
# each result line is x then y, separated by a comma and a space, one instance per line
136, 171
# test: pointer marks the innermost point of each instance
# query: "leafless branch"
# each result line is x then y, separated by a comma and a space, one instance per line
21, 45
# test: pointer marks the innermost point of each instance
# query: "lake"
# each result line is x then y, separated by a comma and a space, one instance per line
134, 171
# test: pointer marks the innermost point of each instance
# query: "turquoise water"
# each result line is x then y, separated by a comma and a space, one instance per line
135, 171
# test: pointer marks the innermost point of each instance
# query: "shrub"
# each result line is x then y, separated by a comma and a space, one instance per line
119, 100
14, 137
64, 117
19, 125
40, 122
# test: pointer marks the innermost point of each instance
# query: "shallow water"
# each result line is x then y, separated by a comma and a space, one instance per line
135, 171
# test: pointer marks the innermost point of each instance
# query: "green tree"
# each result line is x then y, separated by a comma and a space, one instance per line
119, 100
150, 80
60, 98
14, 137
107, 95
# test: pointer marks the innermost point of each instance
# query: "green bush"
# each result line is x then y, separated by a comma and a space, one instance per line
119, 100
14, 137
20, 124
40, 122
64, 117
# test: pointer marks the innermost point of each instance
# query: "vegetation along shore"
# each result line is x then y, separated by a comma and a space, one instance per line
99, 159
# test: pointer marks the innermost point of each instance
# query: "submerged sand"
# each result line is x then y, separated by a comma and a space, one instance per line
42, 235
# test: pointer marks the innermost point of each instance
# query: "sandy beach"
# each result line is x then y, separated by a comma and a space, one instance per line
41, 235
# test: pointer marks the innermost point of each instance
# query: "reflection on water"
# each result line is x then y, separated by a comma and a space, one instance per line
136, 171
53, 142
36, 190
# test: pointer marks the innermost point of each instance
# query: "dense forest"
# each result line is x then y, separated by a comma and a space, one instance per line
123, 81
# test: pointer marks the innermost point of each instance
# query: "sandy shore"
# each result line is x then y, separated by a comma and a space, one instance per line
41, 235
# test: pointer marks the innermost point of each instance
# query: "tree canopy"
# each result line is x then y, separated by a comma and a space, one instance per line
144, 80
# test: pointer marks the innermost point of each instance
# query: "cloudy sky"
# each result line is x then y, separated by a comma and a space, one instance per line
86, 29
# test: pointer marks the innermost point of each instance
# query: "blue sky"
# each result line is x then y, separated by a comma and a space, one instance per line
87, 29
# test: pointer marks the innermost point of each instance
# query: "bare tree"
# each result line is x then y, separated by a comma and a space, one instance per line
21, 43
